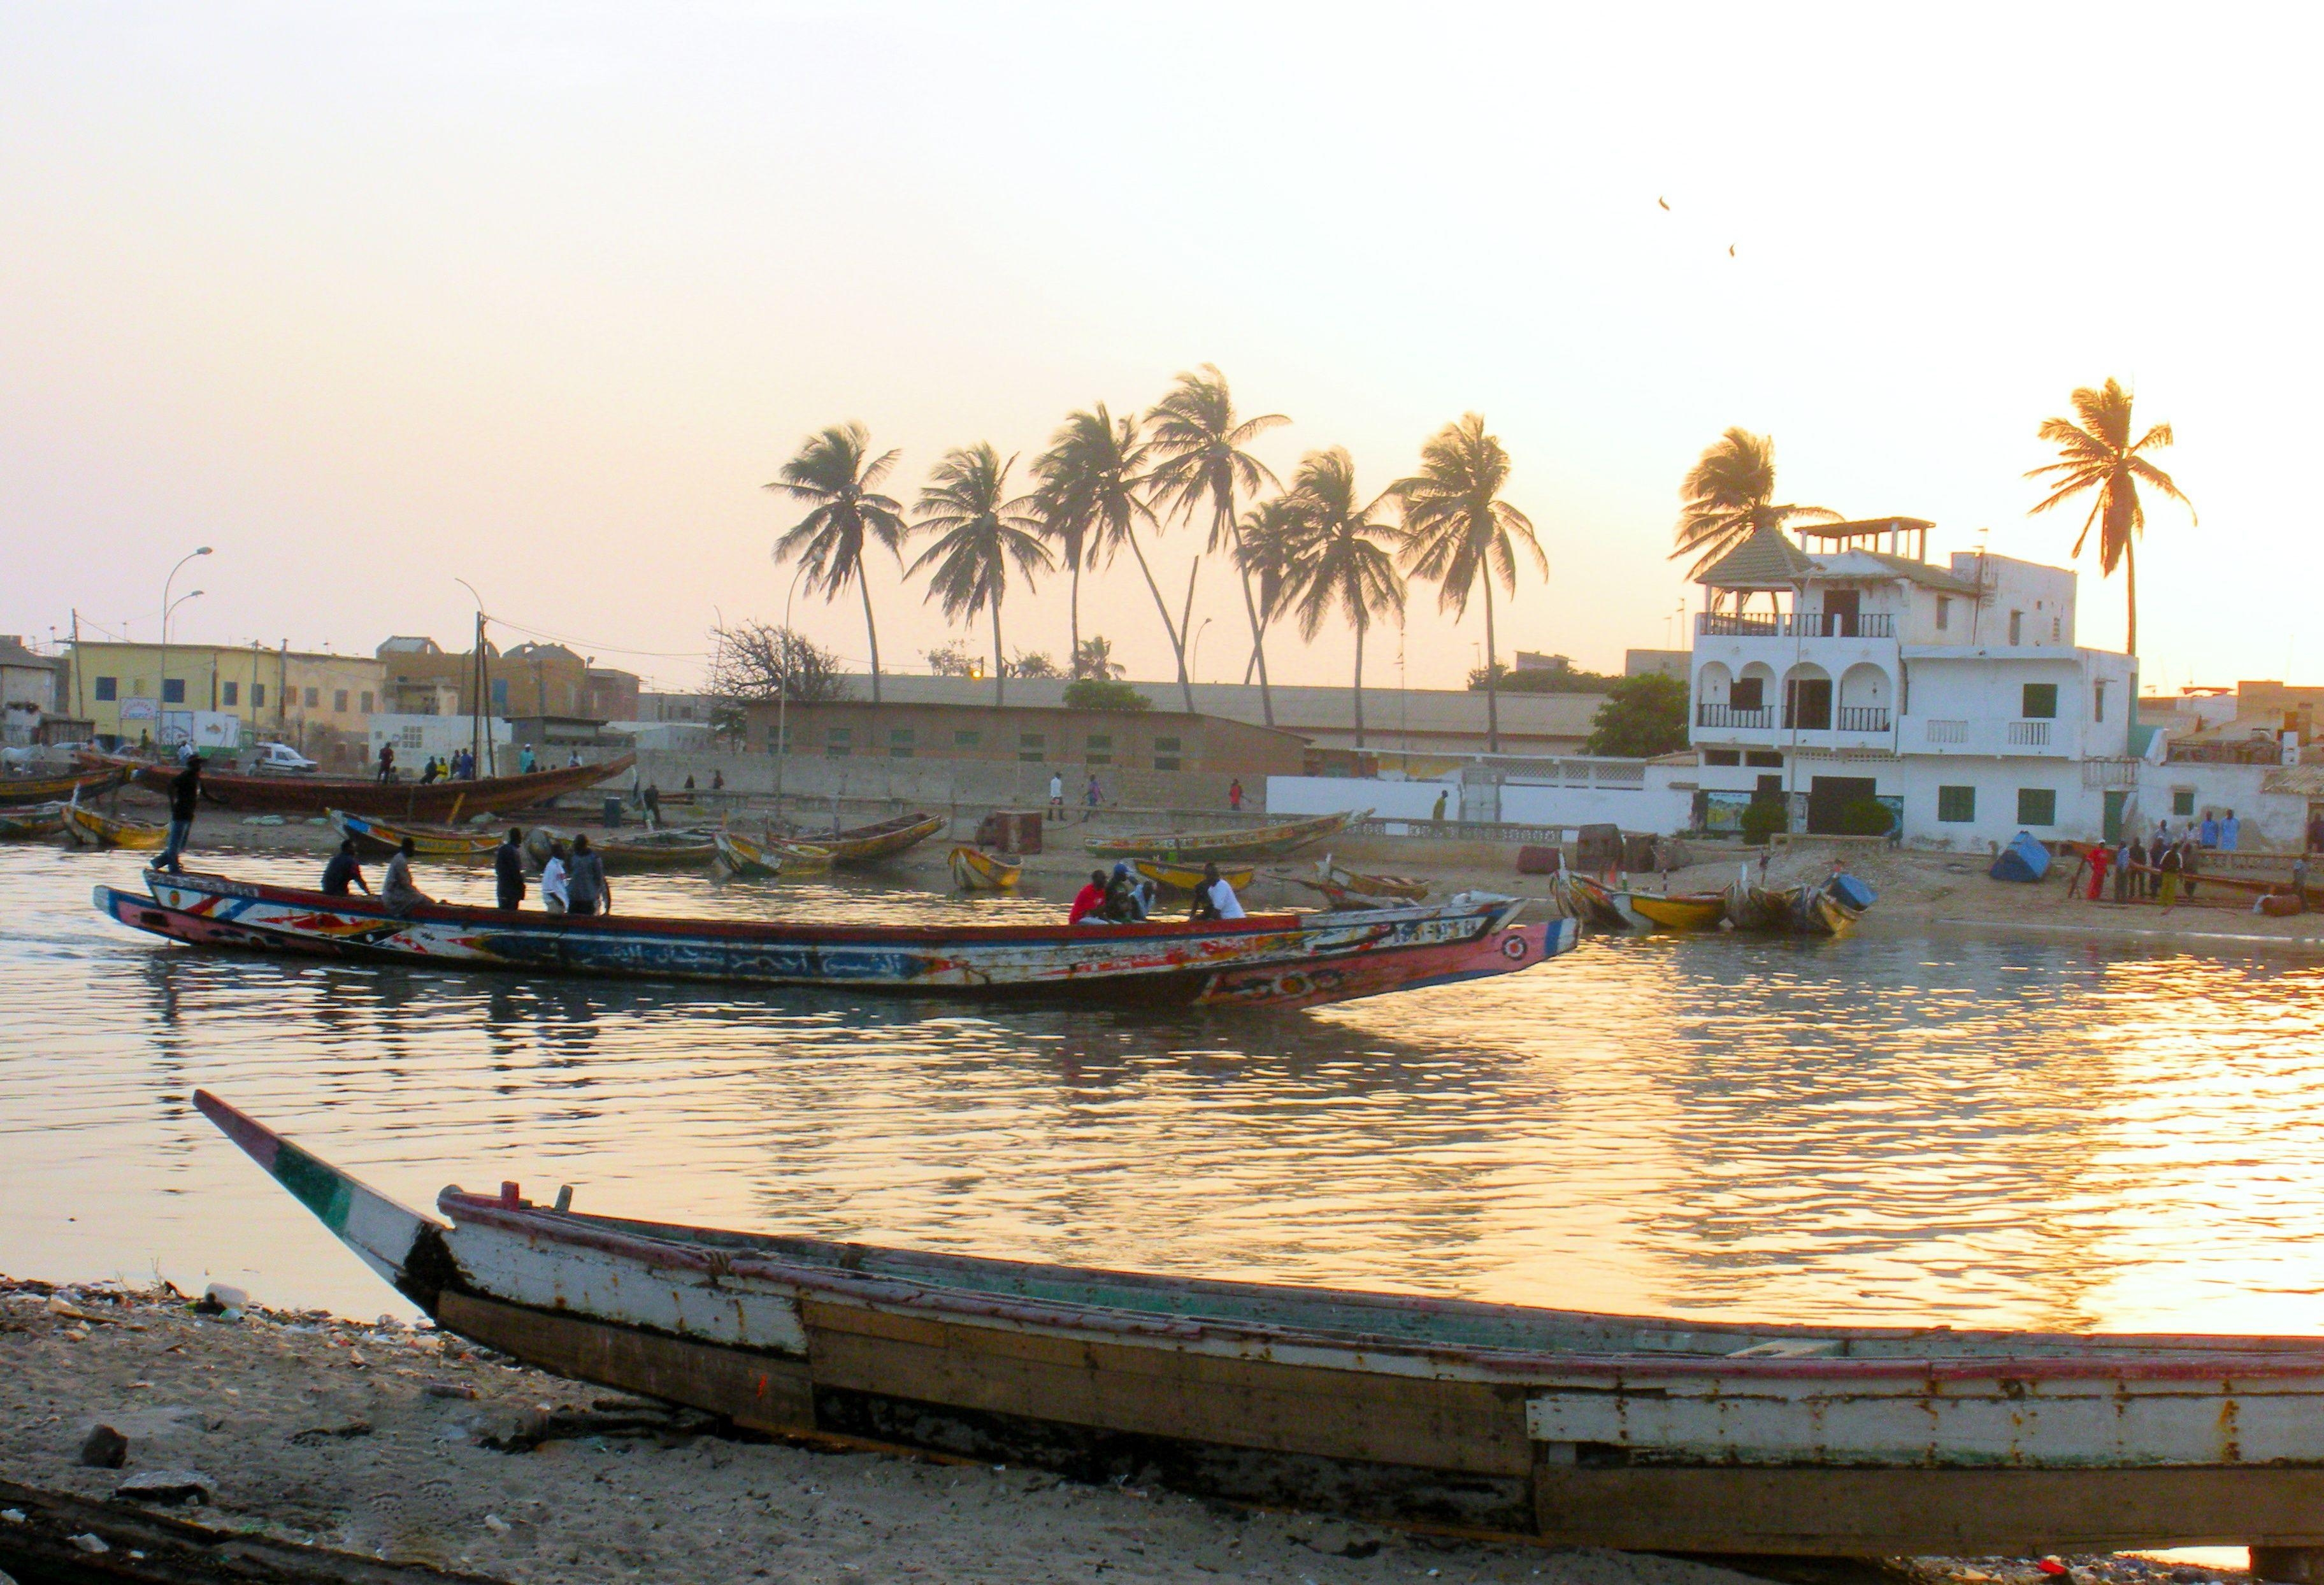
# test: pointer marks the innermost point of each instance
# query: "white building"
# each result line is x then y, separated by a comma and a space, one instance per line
1956, 695
417, 736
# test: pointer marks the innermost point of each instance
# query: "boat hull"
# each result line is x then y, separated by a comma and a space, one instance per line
1182, 878
975, 869
868, 845
436, 802
1200, 847
91, 829
26, 822
1284, 960
1634, 1431
1679, 913
378, 838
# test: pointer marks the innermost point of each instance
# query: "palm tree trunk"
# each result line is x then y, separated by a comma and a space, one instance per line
1000, 668
863, 588
1250, 610
1492, 695
1073, 655
1178, 646
1360, 685
2130, 588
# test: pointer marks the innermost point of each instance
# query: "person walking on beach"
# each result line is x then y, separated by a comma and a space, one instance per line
586, 890
1090, 794
1057, 794
553, 894
387, 761
397, 891
185, 798
1436, 814
508, 870
1234, 794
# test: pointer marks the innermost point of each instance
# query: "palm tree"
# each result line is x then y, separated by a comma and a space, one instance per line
835, 471
1094, 658
1093, 489
1200, 458
2098, 454
1728, 495
981, 529
1334, 555
1458, 533
1270, 533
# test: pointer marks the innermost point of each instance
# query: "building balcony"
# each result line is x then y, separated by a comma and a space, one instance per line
1940, 735
1797, 624
1863, 718
1729, 715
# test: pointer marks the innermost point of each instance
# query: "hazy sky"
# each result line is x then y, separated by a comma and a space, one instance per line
540, 295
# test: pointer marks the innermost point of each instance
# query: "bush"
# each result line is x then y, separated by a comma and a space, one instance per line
1102, 692
1763, 818
1865, 817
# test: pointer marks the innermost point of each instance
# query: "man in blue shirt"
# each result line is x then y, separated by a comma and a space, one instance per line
2208, 834
2231, 831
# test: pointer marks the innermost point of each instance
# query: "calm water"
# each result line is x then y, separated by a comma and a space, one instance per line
1959, 1127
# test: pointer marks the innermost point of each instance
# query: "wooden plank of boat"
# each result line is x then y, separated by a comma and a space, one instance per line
975, 869
865, 845
434, 802
1601, 906
17, 791
1575, 1427
657, 849
1270, 960
29, 821
1182, 878
446, 844
1682, 911
91, 829
1264, 842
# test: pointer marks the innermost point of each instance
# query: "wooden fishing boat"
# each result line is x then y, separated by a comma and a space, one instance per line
975, 869
1363, 884
1684, 910
1829, 910
1200, 847
32, 821
1637, 1432
93, 830
625, 855
445, 844
742, 858
1267, 960
1601, 906
884, 839
440, 803
1181, 879
18, 792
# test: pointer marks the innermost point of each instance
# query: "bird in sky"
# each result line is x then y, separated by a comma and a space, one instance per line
1730, 249
1664, 203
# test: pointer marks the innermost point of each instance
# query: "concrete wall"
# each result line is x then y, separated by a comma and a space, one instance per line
2269, 821
940, 783
1657, 806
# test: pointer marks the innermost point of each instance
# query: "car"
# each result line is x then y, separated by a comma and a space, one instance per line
282, 757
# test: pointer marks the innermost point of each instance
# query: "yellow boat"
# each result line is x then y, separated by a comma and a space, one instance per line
91, 829
1185, 878
868, 845
741, 857
1404, 888
975, 869
445, 844
1700, 910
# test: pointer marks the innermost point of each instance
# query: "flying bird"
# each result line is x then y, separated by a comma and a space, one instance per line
1663, 202
1730, 249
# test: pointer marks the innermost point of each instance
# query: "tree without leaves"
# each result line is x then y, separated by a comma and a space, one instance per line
835, 471
2099, 454
1459, 534
1333, 556
1093, 481
1730, 493
981, 528
1201, 461
756, 661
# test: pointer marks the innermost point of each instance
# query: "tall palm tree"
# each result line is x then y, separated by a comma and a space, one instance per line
836, 472
1092, 480
1270, 531
980, 530
2099, 454
1336, 555
1200, 461
1728, 494
1458, 533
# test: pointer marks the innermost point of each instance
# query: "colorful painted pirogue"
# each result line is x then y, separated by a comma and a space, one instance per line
442, 803
18, 792
93, 830
443, 843
1598, 906
1267, 960
648, 850
742, 858
884, 839
1200, 847
29, 821
975, 869
1180, 880
1677, 1435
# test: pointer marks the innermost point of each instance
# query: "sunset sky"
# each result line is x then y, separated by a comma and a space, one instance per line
539, 296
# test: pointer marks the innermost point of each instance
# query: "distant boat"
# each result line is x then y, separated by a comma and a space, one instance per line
91, 829
1686, 911
1363, 883
17, 791
884, 839
1182, 878
441, 803
648, 850
26, 822
975, 869
1642, 1433
443, 843
1601, 906
740, 858
1198, 847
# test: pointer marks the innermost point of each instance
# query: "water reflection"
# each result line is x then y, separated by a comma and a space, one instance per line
1972, 1129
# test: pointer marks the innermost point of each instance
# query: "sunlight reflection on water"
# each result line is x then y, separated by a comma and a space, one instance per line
1968, 1128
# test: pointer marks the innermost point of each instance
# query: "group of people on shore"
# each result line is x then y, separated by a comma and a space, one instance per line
573, 879
460, 765
2162, 868
1123, 898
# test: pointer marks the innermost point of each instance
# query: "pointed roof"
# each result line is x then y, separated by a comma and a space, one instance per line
1764, 560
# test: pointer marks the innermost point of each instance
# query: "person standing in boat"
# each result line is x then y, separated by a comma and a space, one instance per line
342, 870
586, 890
185, 798
387, 761
554, 895
525, 762
396, 890
1124, 905
508, 869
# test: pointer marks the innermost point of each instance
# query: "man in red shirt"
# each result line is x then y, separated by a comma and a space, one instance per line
1089, 899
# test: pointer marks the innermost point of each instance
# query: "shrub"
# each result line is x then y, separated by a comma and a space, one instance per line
1763, 818
1865, 817
1102, 692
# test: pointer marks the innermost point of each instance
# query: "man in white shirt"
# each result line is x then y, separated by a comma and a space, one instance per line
555, 894
1214, 899
1057, 794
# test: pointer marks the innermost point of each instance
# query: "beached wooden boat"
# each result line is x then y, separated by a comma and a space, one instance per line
32, 821
1200, 847
18, 792
1180, 880
1599, 906
1365, 884
1267, 960
975, 869
444, 843
1684, 910
1646, 1433
742, 858
440, 803
93, 830
883, 839
1832, 909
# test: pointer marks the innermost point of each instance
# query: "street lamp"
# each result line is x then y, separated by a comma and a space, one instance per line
1194, 649
164, 665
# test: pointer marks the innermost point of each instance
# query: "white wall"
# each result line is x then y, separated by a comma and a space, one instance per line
2267, 820
442, 735
1657, 807
1390, 800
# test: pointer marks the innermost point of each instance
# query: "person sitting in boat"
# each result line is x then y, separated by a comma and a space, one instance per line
1089, 900
1124, 905
342, 869
586, 890
397, 890
555, 896
1214, 899
508, 869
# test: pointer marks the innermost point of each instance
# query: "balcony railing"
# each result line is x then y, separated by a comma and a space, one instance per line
1797, 624
1729, 715
2029, 734
1945, 734
1863, 718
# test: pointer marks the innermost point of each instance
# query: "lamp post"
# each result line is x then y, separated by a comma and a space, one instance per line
162, 690
1194, 649
783, 692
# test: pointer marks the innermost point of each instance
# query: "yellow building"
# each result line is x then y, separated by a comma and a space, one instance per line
319, 704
